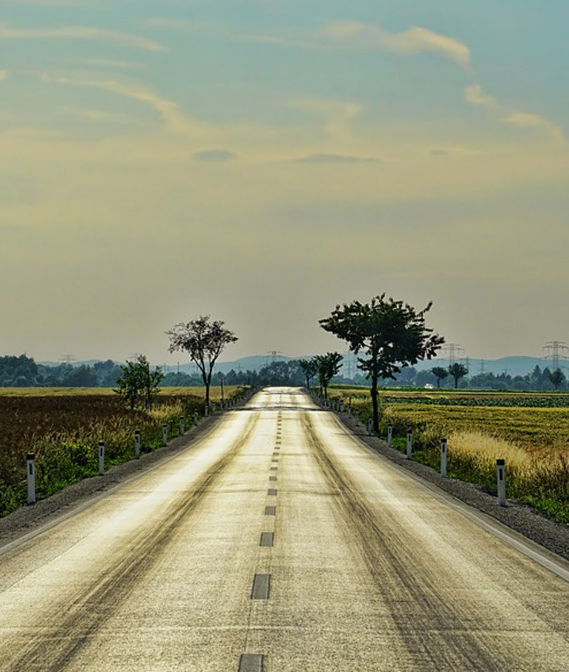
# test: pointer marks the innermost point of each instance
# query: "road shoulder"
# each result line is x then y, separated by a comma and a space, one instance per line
519, 518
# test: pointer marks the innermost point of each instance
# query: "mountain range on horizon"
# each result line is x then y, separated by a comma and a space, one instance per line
513, 365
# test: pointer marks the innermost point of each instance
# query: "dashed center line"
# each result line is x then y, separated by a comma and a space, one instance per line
267, 539
251, 662
261, 587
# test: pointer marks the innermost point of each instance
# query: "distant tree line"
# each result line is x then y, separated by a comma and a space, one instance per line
539, 380
22, 371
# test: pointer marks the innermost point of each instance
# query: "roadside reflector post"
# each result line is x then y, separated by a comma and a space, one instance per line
501, 469
409, 444
206, 411
31, 475
444, 455
101, 458
196, 417
182, 425
390, 435
370, 427
164, 435
137, 444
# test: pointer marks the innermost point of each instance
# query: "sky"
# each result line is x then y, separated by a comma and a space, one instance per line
261, 161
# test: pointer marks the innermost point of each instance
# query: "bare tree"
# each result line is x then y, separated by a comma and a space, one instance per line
204, 341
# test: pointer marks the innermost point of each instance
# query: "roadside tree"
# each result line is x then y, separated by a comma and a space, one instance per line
391, 335
327, 366
203, 341
440, 374
138, 385
309, 369
457, 371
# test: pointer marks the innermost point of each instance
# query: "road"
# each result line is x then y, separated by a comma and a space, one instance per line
276, 542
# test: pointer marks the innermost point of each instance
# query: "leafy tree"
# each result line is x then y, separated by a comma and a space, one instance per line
309, 369
390, 333
557, 378
80, 376
327, 366
457, 371
439, 373
203, 341
138, 385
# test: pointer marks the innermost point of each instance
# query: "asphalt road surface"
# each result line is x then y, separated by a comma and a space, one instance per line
277, 542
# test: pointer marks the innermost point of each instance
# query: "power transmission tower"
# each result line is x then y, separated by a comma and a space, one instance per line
555, 353
482, 366
67, 359
452, 351
273, 355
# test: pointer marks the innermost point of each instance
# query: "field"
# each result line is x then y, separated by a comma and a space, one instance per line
215, 392
63, 430
529, 431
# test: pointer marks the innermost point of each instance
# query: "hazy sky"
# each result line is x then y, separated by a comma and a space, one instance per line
264, 160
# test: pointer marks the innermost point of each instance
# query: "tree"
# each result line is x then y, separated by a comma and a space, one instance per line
309, 369
439, 373
138, 385
390, 333
203, 341
457, 371
557, 378
327, 366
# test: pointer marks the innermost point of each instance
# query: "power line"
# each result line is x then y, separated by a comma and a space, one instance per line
555, 353
453, 351
273, 355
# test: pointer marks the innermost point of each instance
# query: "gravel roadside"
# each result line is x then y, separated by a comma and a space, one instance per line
50, 510
519, 517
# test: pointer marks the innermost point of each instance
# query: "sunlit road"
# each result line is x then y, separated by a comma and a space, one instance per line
277, 543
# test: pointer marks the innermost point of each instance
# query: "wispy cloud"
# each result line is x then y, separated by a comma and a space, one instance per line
108, 63
97, 115
416, 40
474, 94
169, 111
337, 115
166, 22
80, 33
528, 120
214, 155
335, 159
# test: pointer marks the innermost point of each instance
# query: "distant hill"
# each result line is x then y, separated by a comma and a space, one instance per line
514, 365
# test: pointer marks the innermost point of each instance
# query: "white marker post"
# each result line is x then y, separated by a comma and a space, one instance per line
444, 455
137, 444
196, 417
370, 427
31, 474
182, 425
390, 436
501, 469
101, 458
409, 444
164, 435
